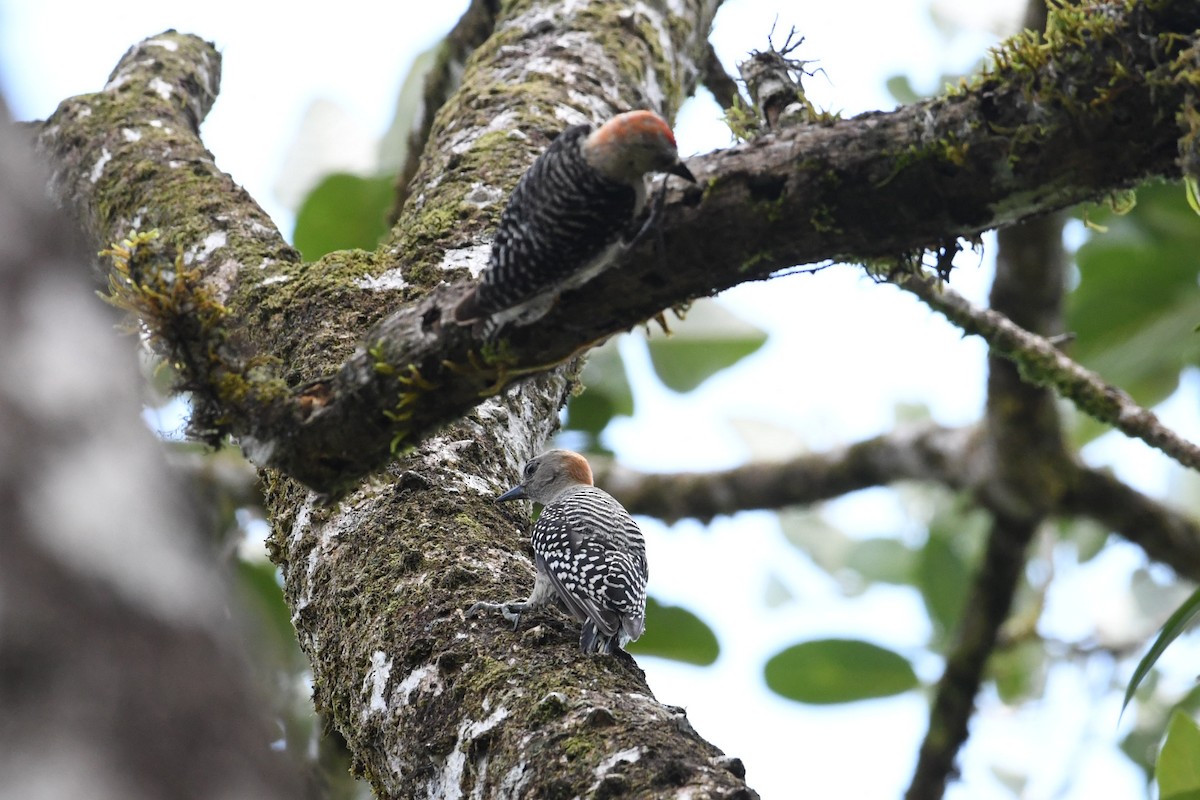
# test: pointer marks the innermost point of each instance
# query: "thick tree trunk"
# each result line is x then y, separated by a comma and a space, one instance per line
120, 676
319, 375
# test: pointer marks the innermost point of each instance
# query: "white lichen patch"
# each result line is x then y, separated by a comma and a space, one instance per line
156, 123
375, 682
272, 279
424, 678
131, 135
116, 83
447, 784
606, 766
101, 162
328, 536
392, 279
478, 484
473, 258
165, 44
206, 247
482, 195
512, 785
160, 87
505, 121
302, 518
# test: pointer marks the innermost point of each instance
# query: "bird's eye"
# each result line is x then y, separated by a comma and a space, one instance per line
529, 470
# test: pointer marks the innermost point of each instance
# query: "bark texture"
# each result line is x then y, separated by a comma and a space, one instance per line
1089, 111
326, 370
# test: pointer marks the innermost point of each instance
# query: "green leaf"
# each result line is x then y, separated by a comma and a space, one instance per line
943, 576
1176, 624
1019, 672
1191, 188
344, 211
605, 394
393, 147
259, 586
1178, 768
676, 633
882, 560
808, 531
706, 342
1137, 302
838, 671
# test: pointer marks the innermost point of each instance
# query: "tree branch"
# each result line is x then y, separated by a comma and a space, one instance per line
1043, 364
984, 611
1006, 147
1026, 459
1166, 535
921, 453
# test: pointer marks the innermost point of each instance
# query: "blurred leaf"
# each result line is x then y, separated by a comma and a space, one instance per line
944, 578
257, 580
1013, 780
344, 211
957, 531
710, 339
901, 89
1088, 536
776, 593
605, 394
1137, 302
393, 147
676, 633
1176, 624
1178, 770
828, 547
838, 671
1019, 671
882, 560
766, 440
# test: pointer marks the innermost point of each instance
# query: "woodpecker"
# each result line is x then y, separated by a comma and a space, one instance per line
588, 552
571, 215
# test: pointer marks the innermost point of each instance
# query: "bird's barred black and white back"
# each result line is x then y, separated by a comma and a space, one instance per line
560, 227
594, 555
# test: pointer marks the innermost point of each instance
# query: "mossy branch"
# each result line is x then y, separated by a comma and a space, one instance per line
1050, 125
1043, 364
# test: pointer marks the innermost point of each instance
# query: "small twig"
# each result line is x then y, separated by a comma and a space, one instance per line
1041, 363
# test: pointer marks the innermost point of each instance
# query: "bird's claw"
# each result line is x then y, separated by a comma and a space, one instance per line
510, 611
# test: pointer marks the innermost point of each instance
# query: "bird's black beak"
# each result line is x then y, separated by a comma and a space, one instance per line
515, 493
680, 169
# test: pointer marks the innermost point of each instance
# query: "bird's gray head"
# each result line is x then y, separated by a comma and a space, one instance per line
549, 476
631, 144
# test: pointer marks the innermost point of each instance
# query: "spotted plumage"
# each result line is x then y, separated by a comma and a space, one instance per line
588, 553
570, 215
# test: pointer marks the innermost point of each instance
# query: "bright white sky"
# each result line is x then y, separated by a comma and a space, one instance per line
842, 354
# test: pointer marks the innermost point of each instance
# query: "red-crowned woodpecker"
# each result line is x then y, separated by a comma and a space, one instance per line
571, 214
588, 552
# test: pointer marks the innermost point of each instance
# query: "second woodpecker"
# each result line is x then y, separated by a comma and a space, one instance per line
588, 552
571, 215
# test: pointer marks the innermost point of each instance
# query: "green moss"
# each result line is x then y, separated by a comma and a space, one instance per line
185, 323
577, 747
754, 260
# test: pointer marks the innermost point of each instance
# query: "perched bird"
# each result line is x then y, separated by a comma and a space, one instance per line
588, 552
571, 214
